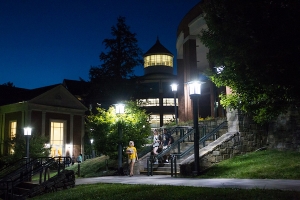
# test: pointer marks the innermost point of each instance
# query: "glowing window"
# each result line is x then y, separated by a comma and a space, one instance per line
13, 129
12, 134
155, 102
56, 138
153, 60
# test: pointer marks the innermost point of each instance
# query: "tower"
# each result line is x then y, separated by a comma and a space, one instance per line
154, 88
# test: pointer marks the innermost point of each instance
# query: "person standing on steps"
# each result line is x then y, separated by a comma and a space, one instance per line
168, 140
156, 142
132, 156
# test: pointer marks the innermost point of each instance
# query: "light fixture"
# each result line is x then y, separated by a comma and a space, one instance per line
27, 134
194, 92
120, 108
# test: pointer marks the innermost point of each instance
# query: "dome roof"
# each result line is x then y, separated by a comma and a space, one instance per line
158, 48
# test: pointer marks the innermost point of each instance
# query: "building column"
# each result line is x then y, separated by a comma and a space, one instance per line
43, 123
71, 134
2, 125
82, 135
233, 120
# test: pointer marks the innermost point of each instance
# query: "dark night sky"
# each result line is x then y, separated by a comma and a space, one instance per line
43, 42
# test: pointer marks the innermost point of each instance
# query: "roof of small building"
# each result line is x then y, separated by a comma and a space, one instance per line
158, 48
10, 95
77, 87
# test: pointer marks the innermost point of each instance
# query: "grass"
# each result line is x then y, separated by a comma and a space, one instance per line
269, 164
264, 164
120, 191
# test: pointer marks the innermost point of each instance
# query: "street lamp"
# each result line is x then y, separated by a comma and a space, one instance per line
93, 151
174, 89
194, 92
27, 134
120, 110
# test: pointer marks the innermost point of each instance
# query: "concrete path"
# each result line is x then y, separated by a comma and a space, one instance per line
280, 184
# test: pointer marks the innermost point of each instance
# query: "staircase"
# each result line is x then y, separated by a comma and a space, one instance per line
15, 179
182, 148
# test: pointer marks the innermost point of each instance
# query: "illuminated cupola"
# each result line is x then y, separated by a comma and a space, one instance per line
158, 59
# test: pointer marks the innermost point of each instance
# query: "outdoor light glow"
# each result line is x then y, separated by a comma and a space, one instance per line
174, 87
92, 140
120, 108
219, 69
194, 87
27, 131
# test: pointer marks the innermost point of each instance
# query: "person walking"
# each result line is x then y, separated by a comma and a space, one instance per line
73, 159
132, 156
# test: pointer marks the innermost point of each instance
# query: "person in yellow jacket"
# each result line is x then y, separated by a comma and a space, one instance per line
132, 156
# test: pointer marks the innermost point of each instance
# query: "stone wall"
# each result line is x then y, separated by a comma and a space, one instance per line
245, 136
284, 133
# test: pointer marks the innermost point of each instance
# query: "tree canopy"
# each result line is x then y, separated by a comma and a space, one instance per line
103, 128
256, 44
111, 79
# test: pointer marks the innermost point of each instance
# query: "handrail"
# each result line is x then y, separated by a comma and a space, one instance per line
173, 130
202, 140
11, 167
189, 133
167, 150
31, 167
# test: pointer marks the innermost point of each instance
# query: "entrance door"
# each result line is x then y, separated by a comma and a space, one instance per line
57, 132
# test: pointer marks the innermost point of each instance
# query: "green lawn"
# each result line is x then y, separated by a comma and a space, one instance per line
269, 164
262, 164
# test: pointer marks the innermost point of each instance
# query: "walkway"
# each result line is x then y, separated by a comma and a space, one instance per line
280, 184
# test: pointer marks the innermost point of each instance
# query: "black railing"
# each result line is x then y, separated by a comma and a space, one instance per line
203, 139
205, 134
27, 169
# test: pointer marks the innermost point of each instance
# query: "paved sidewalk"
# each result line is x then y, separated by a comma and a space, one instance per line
280, 184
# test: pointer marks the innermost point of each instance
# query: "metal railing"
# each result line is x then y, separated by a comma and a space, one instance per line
26, 169
205, 133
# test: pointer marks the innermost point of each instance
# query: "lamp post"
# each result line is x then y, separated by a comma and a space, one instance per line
27, 134
174, 90
120, 110
93, 151
194, 92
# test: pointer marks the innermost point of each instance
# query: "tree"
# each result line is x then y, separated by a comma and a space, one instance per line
9, 84
18, 145
112, 77
103, 128
257, 44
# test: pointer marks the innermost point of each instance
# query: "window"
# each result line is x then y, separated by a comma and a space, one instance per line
57, 138
12, 134
153, 60
155, 102
12, 129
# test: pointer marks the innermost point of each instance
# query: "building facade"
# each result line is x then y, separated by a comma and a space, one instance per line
50, 111
154, 88
191, 65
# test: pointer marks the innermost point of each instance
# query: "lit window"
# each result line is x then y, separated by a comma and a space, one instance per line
13, 129
13, 133
56, 138
153, 60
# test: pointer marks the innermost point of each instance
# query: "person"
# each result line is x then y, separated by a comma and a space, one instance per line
73, 159
79, 158
68, 160
132, 156
167, 142
156, 142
